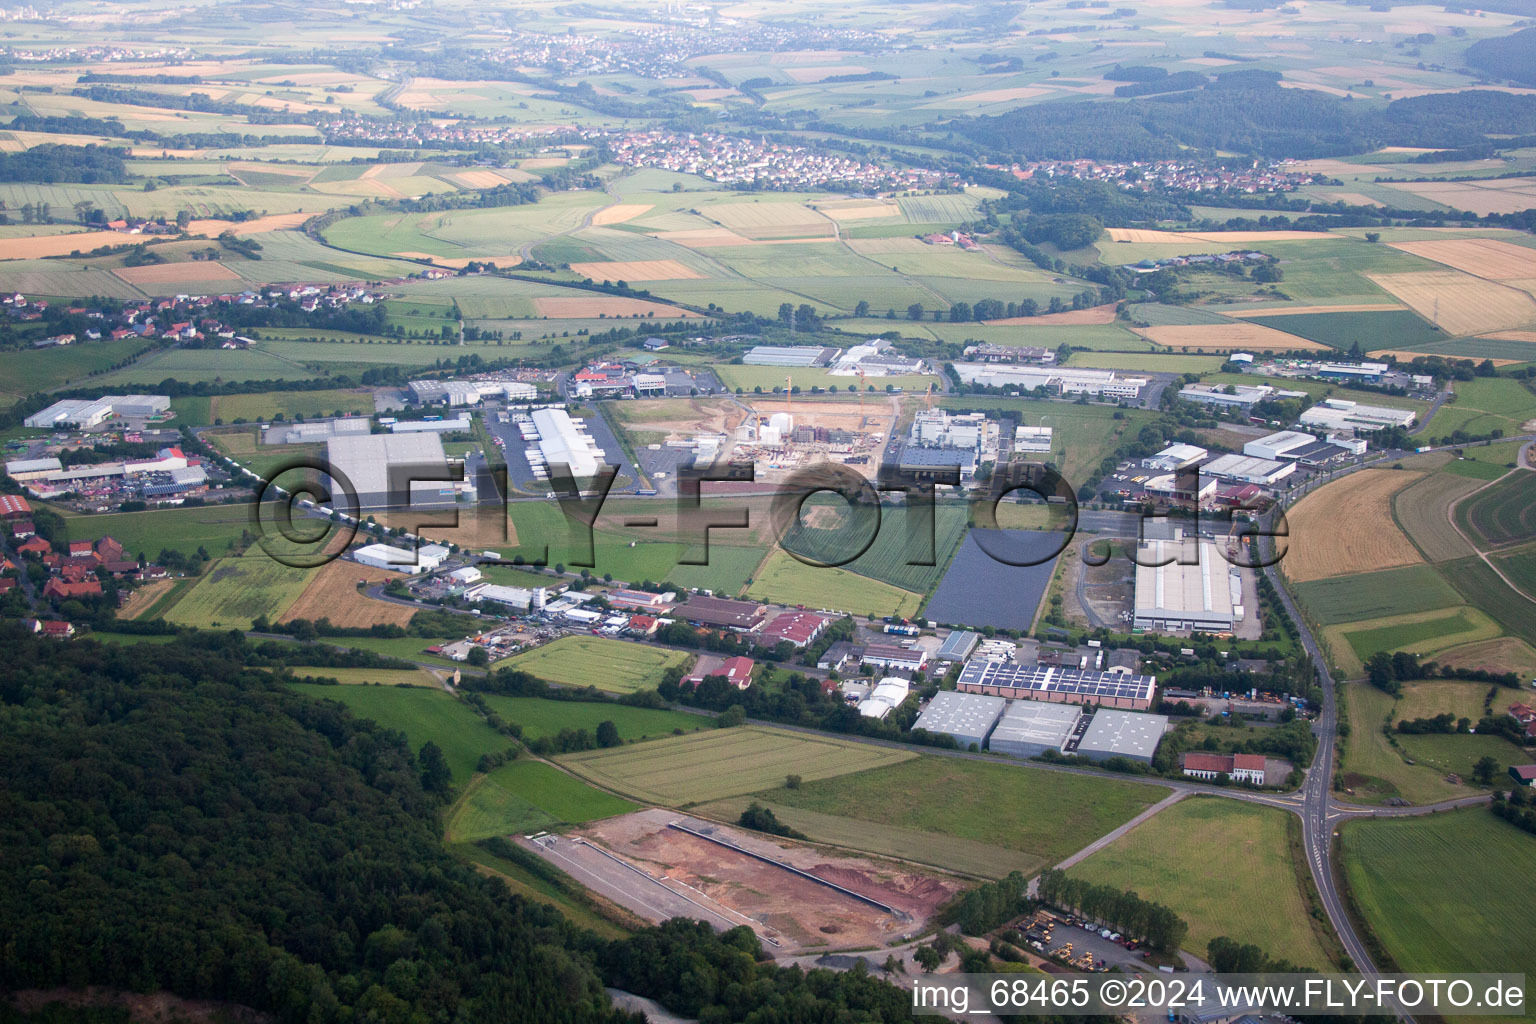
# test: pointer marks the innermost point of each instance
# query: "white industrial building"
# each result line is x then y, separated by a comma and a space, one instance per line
469, 392
1278, 445
1061, 379
968, 717
1245, 469
1130, 734
1192, 591
366, 461
1238, 396
1033, 440
1174, 457
788, 355
561, 442
385, 556
314, 431
519, 598
457, 425
24, 470
1030, 727
84, 413
887, 696
1342, 415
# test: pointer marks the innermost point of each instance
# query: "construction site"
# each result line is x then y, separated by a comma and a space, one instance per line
795, 896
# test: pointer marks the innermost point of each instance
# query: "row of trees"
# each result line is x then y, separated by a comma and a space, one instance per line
1125, 912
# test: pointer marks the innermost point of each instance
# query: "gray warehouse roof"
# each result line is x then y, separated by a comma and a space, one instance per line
365, 459
968, 717
1125, 733
1036, 723
958, 645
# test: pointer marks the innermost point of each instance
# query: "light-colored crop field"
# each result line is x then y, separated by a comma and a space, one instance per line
333, 594
1206, 858
1423, 510
1504, 654
233, 591
1041, 816
1346, 527
1228, 338
769, 219
1460, 303
615, 665
1430, 697
193, 273
636, 270
566, 307
1436, 890
1487, 258
422, 714
722, 763
784, 579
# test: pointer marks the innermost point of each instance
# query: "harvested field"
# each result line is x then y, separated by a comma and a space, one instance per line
1460, 303
1423, 510
1517, 194
1505, 654
1024, 92
1374, 307
636, 270
1146, 235
795, 911
804, 75
258, 226
619, 213
1406, 355
1481, 257
769, 220
144, 598
479, 528
859, 209
724, 762
167, 273
333, 594
1228, 338
480, 179
1347, 527
1352, 198
579, 307
1104, 314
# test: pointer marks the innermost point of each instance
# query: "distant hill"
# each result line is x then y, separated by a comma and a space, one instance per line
1510, 57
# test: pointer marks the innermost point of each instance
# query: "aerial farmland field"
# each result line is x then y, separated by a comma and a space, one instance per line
1503, 513
234, 591
616, 665
724, 762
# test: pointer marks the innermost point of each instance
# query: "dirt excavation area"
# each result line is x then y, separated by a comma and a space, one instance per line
788, 909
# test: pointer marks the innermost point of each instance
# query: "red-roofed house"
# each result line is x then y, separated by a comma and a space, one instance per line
1522, 713
1238, 767
78, 548
34, 546
1523, 774
21, 529
14, 506
737, 671
799, 628
49, 627
58, 589
644, 625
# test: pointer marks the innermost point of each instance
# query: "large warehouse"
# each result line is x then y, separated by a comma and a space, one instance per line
1245, 469
1122, 734
1339, 414
1030, 727
84, 413
1193, 591
1278, 445
968, 717
561, 443
1057, 685
367, 459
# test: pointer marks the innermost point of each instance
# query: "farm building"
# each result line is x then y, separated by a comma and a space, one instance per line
1238, 767
1122, 734
1344, 416
887, 696
1030, 727
390, 469
957, 646
737, 671
1192, 591
788, 355
1056, 685
14, 506
1278, 445
1174, 457
1245, 469
383, 556
1523, 774
724, 613
968, 717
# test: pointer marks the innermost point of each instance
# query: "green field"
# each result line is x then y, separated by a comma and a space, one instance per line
1520, 567
422, 715
212, 527
724, 762
1375, 595
234, 591
1209, 859
25, 372
615, 665
1416, 636
1374, 770
1041, 815
1083, 434
888, 553
382, 676
1484, 405
1431, 697
290, 404
1437, 893
540, 718
783, 579
1483, 589
1370, 330
528, 796
1501, 514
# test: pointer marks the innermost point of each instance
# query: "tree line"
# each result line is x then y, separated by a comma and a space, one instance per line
1125, 912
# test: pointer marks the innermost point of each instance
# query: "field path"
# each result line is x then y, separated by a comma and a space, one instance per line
1109, 837
1524, 467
